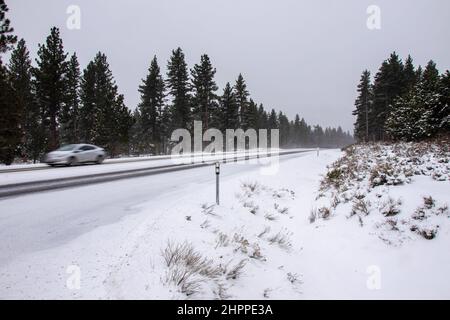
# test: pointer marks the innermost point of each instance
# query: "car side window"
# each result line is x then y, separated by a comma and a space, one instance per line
83, 148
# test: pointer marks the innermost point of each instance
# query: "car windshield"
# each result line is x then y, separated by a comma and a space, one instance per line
68, 147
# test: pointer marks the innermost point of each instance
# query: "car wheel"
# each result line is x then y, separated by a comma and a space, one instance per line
99, 160
71, 161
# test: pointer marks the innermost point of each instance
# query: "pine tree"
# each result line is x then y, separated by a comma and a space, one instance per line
272, 121
21, 81
363, 106
305, 133
291, 137
430, 78
329, 137
69, 118
105, 119
114, 118
51, 84
444, 101
261, 118
151, 107
419, 74
418, 114
409, 74
121, 124
229, 109
408, 103
166, 120
283, 124
7, 39
10, 131
88, 103
178, 85
241, 94
404, 121
296, 131
339, 137
105, 95
388, 85
252, 115
318, 136
204, 87
429, 89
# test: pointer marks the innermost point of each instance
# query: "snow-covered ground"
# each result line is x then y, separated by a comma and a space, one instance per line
258, 244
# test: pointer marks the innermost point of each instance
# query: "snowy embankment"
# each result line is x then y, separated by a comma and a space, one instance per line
259, 243
401, 190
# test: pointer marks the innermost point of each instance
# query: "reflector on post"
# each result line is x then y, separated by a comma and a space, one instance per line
217, 167
217, 182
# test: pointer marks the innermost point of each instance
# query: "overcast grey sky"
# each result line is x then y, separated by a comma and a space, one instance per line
301, 57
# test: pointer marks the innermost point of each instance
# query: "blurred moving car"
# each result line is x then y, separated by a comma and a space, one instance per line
75, 153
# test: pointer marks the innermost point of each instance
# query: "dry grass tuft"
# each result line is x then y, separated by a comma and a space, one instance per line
270, 216
361, 207
188, 269
235, 271
324, 213
313, 215
282, 239
391, 207
264, 232
428, 202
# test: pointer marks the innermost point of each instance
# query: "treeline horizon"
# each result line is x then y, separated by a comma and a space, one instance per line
52, 103
403, 102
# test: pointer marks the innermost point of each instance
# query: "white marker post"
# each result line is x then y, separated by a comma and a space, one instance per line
217, 182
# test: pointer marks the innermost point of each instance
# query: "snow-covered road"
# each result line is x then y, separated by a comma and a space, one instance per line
33, 173
45, 220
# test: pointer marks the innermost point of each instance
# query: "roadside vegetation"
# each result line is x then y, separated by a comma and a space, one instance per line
368, 184
250, 238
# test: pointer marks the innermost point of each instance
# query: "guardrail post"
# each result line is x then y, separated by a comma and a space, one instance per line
217, 182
